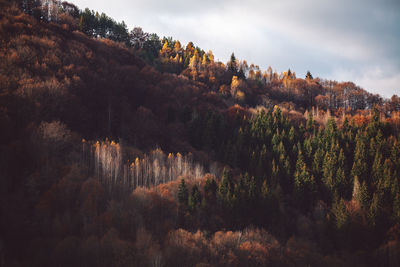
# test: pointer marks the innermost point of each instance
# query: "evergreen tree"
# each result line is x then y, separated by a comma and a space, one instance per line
375, 209
310, 122
360, 193
340, 214
329, 169
233, 65
377, 167
226, 186
309, 76
318, 162
304, 184
194, 198
359, 168
210, 187
182, 193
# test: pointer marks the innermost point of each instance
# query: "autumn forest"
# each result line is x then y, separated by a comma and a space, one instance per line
122, 148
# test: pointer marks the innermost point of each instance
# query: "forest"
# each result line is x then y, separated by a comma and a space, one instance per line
121, 148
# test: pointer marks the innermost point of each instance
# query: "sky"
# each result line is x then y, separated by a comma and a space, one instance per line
343, 40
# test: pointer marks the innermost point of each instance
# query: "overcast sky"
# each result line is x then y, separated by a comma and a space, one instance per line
343, 40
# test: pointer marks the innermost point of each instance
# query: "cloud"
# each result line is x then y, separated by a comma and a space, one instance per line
377, 80
332, 39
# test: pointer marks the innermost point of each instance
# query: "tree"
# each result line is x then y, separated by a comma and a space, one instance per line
182, 193
375, 209
329, 169
210, 56
120, 33
309, 77
138, 38
210, 188
304, 184
359, 168
88, 22
233, 65
226, 185
341, 215
194, 198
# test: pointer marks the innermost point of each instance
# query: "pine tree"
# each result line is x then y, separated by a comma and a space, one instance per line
225, 186
318, 162
194, 198
233, 65
330, 132
377, 170
265, 191
329, 169
304, 184
341, 214
309, 76
182, 193
252, 192
375, 209
210, 187
310, 122
360, 193
359, 168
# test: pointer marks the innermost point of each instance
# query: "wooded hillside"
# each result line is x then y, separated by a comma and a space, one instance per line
121, 148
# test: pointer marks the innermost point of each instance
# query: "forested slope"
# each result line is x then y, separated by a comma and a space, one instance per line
106, 136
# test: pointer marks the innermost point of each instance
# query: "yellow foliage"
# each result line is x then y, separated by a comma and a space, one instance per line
196, 54
193, 62
165, 46
177, 58
234, 85
235, 81
210, 56
177, 46
240, 96
204, 61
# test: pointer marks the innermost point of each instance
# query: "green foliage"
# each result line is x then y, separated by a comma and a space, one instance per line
233, 65
210, 187
226, 187
194, 199
340, 214
183, 193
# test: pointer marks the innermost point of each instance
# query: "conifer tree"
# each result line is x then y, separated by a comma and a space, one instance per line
360, 193
309, 76
182, 193
225, 187
194, 198
375, 209
304, 184
210, 186
377, 167
341, 214
318, 162
233, 65
359, 168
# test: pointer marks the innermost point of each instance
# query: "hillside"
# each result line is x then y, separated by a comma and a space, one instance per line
120, 148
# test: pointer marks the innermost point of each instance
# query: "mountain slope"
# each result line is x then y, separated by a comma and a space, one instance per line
81, 115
